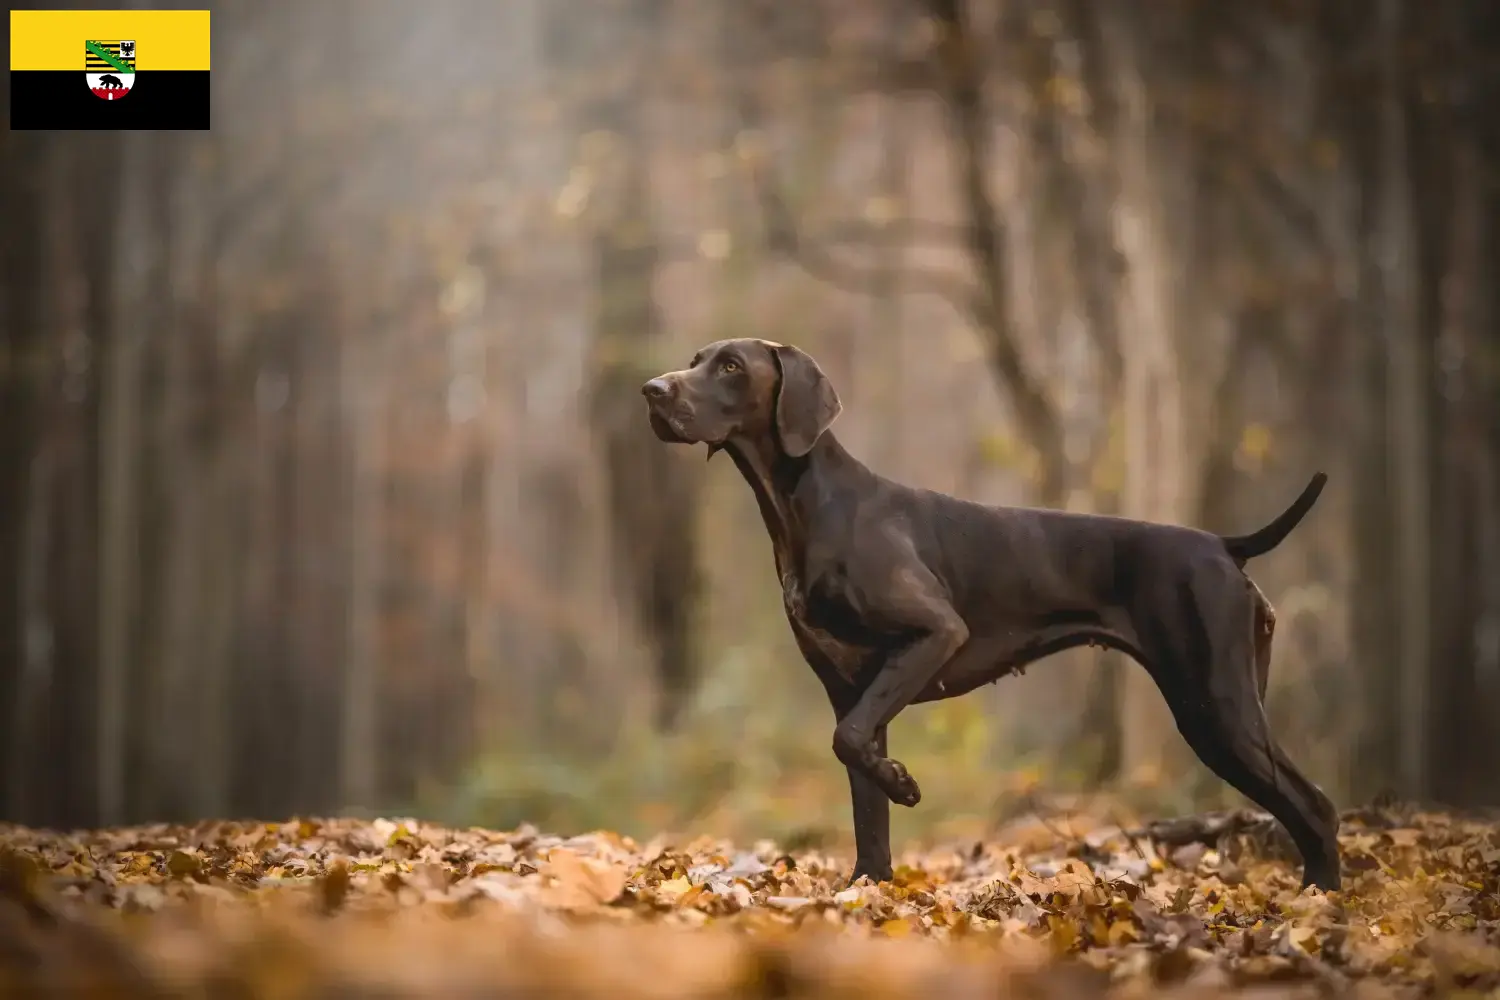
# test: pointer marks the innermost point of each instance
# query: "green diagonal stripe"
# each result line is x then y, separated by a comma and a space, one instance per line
108, 57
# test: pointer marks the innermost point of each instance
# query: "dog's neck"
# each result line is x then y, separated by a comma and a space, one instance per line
788, 489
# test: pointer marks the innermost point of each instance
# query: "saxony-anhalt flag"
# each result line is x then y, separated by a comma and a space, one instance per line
109, 69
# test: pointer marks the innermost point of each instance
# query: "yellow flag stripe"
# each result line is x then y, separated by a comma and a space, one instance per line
164, 39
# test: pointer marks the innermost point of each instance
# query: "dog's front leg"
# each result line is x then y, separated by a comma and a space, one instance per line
872, 822
903, 677
872, 807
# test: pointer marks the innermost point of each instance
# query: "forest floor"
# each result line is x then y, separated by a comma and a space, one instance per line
1056, 907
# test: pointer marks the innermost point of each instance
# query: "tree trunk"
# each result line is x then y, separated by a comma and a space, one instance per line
37, 678
1447, 151
1071, 138
22, 380
1410, 466
164, 682
1454, 748
1484, 339
652, 493
83, 267
961, 58
1155, 445
216, 415
362, 387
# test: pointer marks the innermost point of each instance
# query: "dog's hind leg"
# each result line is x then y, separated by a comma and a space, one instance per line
1264, 632
1205, 662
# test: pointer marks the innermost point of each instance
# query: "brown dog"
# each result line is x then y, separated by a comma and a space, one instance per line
899, 595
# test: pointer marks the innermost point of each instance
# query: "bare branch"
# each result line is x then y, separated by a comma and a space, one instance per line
1094, 240
1254, 330
1085, 207
783, 237
987, 304
903, 232
962, 87
1223, 147
843, 233
894, 76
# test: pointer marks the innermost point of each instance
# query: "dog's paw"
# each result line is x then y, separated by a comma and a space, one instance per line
1325, 878
898, 784
876, 874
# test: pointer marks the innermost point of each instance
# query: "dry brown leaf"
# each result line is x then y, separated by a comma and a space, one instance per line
184, 864
580, 883
1420, 914
900, 927
334, 886
429, 876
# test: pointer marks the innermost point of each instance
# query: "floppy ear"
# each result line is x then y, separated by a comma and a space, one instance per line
806, 404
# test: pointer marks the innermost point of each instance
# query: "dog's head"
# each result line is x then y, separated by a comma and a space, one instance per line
746, 389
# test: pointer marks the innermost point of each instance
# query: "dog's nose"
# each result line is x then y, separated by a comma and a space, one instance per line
657, 388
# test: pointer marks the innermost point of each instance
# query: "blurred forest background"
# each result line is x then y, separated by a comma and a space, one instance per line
325, 483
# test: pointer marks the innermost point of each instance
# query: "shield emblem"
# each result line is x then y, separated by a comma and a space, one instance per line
109, 67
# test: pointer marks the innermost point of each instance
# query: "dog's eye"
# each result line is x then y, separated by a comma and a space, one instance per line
728, 367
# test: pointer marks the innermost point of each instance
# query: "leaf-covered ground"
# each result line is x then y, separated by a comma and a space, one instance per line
390, 908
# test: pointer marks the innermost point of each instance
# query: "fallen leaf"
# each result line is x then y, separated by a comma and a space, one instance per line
184, 864
580, 883
334, 886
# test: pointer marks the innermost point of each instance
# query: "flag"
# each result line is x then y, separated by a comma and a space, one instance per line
109, 69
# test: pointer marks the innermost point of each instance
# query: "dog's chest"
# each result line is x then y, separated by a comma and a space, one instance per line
826, 626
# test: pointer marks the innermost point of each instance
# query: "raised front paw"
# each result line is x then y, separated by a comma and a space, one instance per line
900, 786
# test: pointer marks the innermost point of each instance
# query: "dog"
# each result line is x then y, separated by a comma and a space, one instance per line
898, 595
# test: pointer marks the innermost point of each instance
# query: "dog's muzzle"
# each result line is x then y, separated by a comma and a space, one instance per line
668, 418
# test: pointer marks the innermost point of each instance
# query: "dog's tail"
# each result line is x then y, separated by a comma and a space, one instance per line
1258, 543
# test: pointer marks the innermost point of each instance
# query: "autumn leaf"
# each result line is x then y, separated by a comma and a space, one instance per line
578, 883
1419, 915
184, 864
715, 244
1255, 444
674, 887
900, 927
881, 209
1303, 938
334, 886
429, 876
